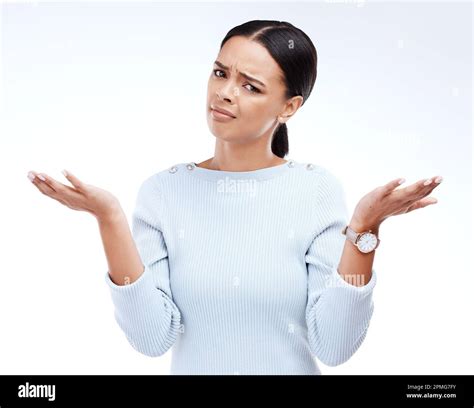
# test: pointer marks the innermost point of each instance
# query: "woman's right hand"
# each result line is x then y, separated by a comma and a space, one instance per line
81, 197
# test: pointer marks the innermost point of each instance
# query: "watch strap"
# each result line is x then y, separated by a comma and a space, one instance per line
350, 234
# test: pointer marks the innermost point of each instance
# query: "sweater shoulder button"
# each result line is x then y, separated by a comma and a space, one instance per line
173, 169
309, 166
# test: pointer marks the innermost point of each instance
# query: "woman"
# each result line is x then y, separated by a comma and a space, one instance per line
245, 263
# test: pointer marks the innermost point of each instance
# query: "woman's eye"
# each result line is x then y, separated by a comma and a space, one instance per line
217, 70
254, 89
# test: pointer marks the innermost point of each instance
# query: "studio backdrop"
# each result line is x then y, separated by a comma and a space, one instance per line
116, 91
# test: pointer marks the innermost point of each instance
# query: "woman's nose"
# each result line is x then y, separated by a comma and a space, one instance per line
227, 91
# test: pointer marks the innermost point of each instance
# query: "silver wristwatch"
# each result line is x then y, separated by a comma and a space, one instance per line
365, 241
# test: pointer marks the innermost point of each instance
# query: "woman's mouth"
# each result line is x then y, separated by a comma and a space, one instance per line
220, 116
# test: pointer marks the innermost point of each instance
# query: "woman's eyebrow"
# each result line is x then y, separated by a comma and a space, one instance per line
221, 65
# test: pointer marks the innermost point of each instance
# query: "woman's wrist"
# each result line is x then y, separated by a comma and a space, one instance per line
360, 225
113, 214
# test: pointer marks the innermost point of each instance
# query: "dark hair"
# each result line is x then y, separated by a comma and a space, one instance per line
296, 55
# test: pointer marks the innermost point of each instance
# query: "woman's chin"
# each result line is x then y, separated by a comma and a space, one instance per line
225, 136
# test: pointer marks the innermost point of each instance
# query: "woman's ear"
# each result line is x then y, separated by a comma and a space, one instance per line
292, 105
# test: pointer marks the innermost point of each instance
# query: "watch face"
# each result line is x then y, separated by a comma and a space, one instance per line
367, 242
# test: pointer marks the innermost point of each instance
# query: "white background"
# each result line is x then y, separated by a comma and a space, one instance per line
115, 92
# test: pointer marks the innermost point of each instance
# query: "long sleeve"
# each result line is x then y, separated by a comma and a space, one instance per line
338, 313
144, 309
232, 260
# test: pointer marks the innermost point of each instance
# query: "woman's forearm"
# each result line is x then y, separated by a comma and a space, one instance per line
123, 258
376, 206
355, 267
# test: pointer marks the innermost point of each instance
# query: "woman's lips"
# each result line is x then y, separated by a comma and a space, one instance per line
219, 116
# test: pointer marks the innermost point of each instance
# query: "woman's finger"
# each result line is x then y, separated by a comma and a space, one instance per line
392, 185
73, 179
428, 186
420, 189
422, 203
41, 185
55, 185
435, 182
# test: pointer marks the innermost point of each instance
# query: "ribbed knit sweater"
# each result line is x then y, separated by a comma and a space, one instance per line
240, 272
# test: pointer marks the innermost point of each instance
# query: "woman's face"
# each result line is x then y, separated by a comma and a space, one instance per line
255, 105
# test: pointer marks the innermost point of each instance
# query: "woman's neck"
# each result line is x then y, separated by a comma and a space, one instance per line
214, 163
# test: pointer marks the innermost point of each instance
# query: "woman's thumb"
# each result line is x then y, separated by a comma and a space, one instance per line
72, 178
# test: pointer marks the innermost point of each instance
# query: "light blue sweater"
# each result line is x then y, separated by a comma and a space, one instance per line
241, 272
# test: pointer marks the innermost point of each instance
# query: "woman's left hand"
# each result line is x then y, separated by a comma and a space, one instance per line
386, 201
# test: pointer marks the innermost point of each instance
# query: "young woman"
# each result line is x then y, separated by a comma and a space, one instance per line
245, 263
